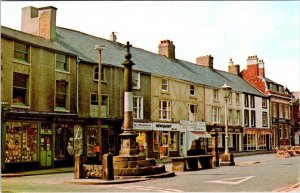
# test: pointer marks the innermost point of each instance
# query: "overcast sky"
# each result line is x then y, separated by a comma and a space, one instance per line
224, 29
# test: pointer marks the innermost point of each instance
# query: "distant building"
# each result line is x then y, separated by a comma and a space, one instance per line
279, 100
295, 114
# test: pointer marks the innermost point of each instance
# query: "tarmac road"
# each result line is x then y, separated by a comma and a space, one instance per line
257, 173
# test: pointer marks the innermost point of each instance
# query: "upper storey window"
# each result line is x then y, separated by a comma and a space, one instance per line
62, 62
164, 85
192, 90
21, 52
20, 89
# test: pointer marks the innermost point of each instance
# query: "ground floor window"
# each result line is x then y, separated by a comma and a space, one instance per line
168, 139
91, 134
250, 142
262, 142
21, 142
141, 141
64, 139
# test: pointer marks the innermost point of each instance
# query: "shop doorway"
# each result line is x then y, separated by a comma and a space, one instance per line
165, 139
46, 151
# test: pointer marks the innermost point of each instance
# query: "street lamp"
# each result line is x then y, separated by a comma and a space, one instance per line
226, 90
226, 158
100, 48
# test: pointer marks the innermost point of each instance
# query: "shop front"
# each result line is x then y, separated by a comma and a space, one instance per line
193, 138
142, 130
235, 136
257, 139
110, 138
165, 138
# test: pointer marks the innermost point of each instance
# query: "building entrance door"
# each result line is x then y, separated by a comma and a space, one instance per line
165, 143
46, 151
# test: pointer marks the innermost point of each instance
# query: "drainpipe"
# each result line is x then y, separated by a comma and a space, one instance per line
77, 67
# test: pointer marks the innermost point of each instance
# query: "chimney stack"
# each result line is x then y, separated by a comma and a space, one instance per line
39, 21
167, 48
233, 68
261, 68
113, 37
207, 61
252, 64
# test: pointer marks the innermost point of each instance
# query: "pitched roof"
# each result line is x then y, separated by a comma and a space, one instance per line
34, 40
271, 81
145, 61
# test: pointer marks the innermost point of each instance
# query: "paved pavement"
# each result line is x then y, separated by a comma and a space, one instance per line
71, 169
253, 173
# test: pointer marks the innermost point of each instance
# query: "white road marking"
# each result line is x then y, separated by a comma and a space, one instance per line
156, 189
291, 188
232, 181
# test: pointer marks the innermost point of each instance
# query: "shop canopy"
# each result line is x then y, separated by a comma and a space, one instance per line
194, 135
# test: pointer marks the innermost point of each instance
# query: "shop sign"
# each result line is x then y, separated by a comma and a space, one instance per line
75, 120
200, 126
142, 126
192, 126
166, 126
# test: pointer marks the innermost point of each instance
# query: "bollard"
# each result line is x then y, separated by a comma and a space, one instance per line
78, 166
107, 167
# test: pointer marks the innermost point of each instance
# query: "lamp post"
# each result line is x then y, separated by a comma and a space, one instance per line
226, 158
100, 48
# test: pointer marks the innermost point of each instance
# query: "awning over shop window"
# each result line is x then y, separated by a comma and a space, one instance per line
194, 135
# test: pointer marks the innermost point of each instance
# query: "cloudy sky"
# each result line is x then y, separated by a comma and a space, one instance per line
224, 29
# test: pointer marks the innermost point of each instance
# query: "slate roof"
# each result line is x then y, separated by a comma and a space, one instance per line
34, 40
145, 61
271, 81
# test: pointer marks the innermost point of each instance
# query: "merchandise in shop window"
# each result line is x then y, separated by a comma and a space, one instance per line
91, 141
21, 144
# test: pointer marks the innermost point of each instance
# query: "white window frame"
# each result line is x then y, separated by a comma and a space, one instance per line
252, 101
230, 117
216, 94
238, 117
280, 110
193, 116
237, 98
167, 110
96, 71
286, 111
286, 132
230, 98
253, 118
246, 118
94, 107
138, 110
165, 83
265, 117
136, 77
216, 114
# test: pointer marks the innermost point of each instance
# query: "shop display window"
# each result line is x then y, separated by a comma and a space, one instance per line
173, 142
64, 135
91, 141
156, 140
78, 140
21, 142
